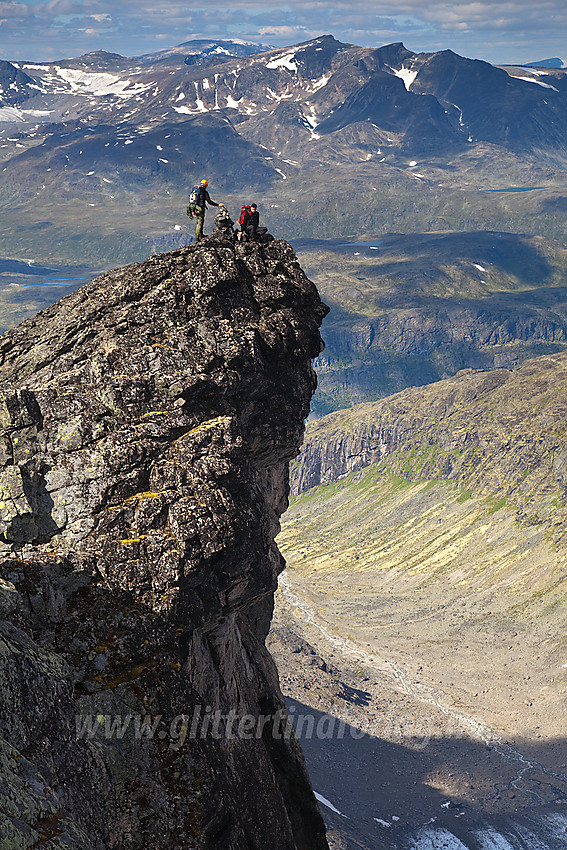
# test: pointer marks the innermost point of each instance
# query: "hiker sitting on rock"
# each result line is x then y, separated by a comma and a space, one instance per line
251, 221
198, 199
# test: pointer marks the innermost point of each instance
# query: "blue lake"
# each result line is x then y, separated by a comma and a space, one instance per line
516, 189
26, 274
54, 281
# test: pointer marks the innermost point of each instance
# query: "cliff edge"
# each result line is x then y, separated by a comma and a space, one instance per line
146, 425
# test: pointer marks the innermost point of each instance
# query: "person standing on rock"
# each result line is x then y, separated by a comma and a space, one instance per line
198, 199
250, 224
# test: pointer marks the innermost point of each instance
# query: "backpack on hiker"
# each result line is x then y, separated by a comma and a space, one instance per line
196, 202
243, 212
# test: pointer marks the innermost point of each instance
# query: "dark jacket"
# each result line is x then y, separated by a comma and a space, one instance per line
204, 198
251, 218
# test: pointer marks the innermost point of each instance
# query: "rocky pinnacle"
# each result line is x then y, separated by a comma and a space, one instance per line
146, 426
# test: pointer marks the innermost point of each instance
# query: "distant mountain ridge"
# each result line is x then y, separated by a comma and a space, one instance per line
556, 62
201, 50
430, 101
322, 123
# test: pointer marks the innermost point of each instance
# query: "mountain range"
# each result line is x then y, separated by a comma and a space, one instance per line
99, 152
425, 193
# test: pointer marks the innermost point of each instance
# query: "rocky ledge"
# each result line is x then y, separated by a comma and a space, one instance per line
146, 426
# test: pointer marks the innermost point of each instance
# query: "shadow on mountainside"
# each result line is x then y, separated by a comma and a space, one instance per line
426, 254
385, 792
514, 253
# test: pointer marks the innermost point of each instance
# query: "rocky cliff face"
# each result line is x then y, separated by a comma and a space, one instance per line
147, 422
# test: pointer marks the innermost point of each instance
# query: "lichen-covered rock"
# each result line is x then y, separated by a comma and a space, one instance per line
146, 426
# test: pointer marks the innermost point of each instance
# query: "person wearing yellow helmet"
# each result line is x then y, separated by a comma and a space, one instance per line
198, 199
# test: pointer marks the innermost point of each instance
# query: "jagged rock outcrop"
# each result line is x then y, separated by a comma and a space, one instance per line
147, 423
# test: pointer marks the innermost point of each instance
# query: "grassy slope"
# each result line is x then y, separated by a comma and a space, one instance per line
498, 433
449, 555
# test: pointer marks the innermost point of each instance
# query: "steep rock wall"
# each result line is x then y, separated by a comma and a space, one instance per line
147, 422
370, 358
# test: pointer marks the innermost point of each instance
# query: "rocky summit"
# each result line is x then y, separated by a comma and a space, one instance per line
146, 425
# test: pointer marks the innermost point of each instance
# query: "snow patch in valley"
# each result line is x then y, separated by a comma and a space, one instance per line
460, 111
200, 105
491, 840
328, 804
12, 113
311, 119
434, 839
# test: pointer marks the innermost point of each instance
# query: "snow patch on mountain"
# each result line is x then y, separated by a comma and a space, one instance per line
405, 74
285, 61
520, 74
320, 83
537, 82
328, 804
97, 83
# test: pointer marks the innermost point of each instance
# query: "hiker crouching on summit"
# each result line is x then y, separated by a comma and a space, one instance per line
198, 198
251, 221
